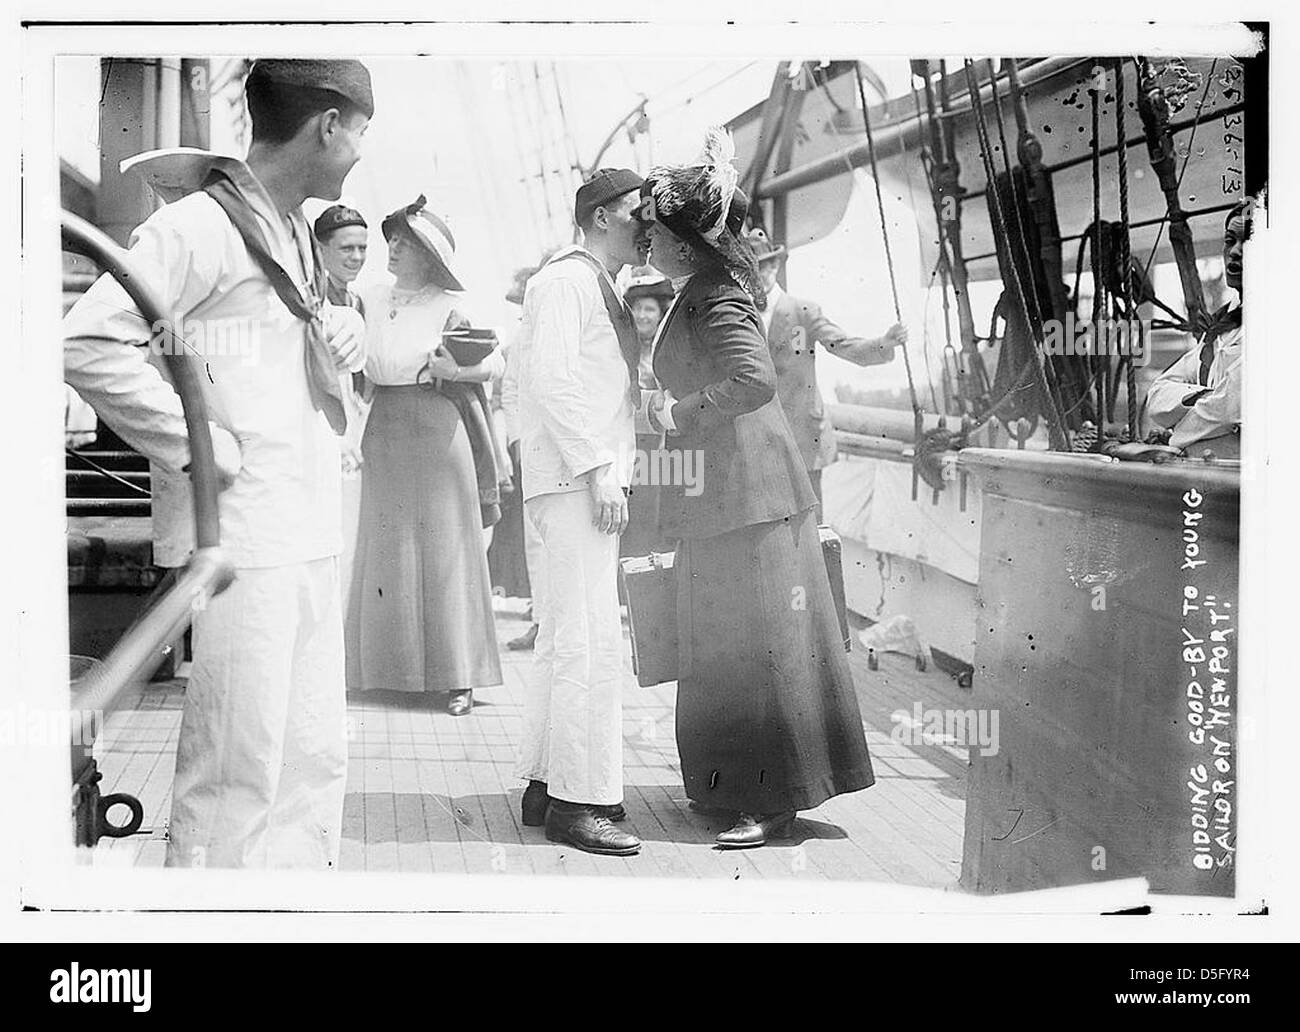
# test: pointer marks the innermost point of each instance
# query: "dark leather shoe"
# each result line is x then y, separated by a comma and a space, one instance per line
755, 829
614, 813
460, 703
581, 826
533, 807
525, 641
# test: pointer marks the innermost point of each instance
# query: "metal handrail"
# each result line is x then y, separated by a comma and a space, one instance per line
208, 572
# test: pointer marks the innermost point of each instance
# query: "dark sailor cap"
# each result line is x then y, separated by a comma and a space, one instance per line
348, 78
337, 217
605, 185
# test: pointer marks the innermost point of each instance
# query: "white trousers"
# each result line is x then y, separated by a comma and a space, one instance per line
533, 560
351, 496
261, 765
573, 708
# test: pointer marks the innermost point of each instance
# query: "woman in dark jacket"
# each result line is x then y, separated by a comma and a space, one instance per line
767, 717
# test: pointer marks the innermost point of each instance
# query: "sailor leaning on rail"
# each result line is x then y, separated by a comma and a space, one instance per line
1198, 398
795, 327
261, 761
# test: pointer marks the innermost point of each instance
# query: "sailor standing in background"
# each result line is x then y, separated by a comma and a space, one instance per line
648, 295
343, 238
794, 328
1198, 398
261, 762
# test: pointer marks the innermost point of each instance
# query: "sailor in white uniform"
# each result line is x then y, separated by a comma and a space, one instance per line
262, 757
1198, 398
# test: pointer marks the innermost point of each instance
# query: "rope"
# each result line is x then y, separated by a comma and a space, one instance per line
929, 375
1209, 79
107, 472
943, 266
917, 421
1056, 425
1124, 257
884, 227
1022, 233
1098, 289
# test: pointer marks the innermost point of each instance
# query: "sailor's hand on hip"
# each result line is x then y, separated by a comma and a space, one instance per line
226, 455
345, 336
609, 502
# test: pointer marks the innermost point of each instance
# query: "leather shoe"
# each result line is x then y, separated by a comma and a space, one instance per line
581, 826
524, 641
533, 807
460, 703
536, 800
614, 813
755, 829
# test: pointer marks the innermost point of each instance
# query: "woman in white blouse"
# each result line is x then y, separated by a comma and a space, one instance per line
420, 608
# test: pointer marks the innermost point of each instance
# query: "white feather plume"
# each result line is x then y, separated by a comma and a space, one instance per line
710, 183
719, 147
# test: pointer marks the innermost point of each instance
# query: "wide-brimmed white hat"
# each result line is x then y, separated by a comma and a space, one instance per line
431, 232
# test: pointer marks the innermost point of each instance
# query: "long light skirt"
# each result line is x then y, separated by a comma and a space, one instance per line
420, 606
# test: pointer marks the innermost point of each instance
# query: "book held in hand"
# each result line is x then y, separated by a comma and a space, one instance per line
469, 346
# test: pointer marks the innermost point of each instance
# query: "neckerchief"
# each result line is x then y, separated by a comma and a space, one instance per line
322, 376
1213, 327
621, 316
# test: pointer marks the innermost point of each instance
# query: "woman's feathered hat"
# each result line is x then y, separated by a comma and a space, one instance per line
697, 197
431, 233
702, 204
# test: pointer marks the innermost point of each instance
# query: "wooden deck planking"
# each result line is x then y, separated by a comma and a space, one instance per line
432, 793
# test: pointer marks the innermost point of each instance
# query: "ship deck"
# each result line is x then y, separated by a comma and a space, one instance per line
432, 793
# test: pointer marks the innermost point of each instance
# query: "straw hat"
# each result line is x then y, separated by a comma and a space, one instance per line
431, 233
647, 281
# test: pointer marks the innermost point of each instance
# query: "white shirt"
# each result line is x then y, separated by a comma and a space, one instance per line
1215, 412
284, 506
402, 327
574, 409
510, 387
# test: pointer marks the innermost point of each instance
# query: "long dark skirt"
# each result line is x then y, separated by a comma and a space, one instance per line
420, 608
506, 563
767, 718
